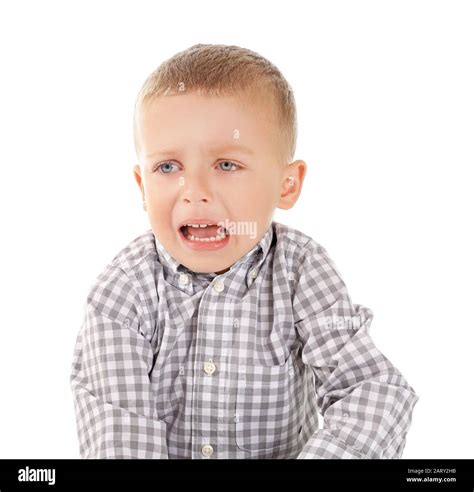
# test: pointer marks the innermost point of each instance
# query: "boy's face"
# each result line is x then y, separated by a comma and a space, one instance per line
215, 159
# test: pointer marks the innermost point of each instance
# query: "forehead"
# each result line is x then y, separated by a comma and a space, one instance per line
193, 120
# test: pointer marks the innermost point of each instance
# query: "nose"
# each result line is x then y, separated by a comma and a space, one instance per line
195, 189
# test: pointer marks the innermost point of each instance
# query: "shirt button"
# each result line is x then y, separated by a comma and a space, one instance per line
253, 273
236, 323
209, 367
207, 450
183, 279
218, 285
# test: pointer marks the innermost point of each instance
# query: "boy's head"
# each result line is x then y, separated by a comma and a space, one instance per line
215, 135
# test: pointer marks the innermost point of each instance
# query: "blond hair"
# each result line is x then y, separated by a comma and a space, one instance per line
223, 70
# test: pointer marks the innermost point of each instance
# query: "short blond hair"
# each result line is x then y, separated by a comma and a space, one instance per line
224, 70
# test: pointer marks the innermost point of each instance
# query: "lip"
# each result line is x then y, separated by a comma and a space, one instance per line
202, 245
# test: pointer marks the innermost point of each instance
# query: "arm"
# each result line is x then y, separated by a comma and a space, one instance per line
366, 403
113, 399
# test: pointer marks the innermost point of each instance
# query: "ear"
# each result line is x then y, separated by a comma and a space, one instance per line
292, 184
137, 173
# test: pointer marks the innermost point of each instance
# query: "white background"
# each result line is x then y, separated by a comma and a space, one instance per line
386, 124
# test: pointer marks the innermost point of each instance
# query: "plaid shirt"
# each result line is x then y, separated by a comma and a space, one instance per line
170, 363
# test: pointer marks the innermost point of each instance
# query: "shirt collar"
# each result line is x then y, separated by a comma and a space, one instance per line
255, 256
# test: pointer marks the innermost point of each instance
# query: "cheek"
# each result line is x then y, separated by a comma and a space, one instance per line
254, 203
159, 204
160, 193
258, 193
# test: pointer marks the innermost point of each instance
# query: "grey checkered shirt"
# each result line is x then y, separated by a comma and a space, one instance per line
169, 363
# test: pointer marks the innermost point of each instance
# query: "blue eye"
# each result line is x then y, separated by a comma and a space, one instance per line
165, 167
227, 168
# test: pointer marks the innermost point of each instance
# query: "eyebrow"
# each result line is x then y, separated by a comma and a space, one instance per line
215, 148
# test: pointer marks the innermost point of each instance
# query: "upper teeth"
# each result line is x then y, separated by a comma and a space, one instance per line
198, 225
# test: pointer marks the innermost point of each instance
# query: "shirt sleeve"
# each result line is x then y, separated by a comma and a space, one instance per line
113, 399
366, 402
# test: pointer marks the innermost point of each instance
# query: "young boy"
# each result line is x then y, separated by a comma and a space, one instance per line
220, 333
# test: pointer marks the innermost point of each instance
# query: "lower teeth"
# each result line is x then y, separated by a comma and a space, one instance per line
219, 237
206, 239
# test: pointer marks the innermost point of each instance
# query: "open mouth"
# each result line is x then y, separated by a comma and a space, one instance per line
204, 233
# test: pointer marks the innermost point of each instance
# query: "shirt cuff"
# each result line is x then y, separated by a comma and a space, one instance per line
118, 434
323, 445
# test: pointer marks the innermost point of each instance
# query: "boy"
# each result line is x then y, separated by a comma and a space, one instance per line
220, 333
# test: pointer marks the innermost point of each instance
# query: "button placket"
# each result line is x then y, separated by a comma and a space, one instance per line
209, 367
218, 285
183, 279
207, 450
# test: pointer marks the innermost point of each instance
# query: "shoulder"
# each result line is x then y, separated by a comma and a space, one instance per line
298, 248
115, 292
137, 251
316, 281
